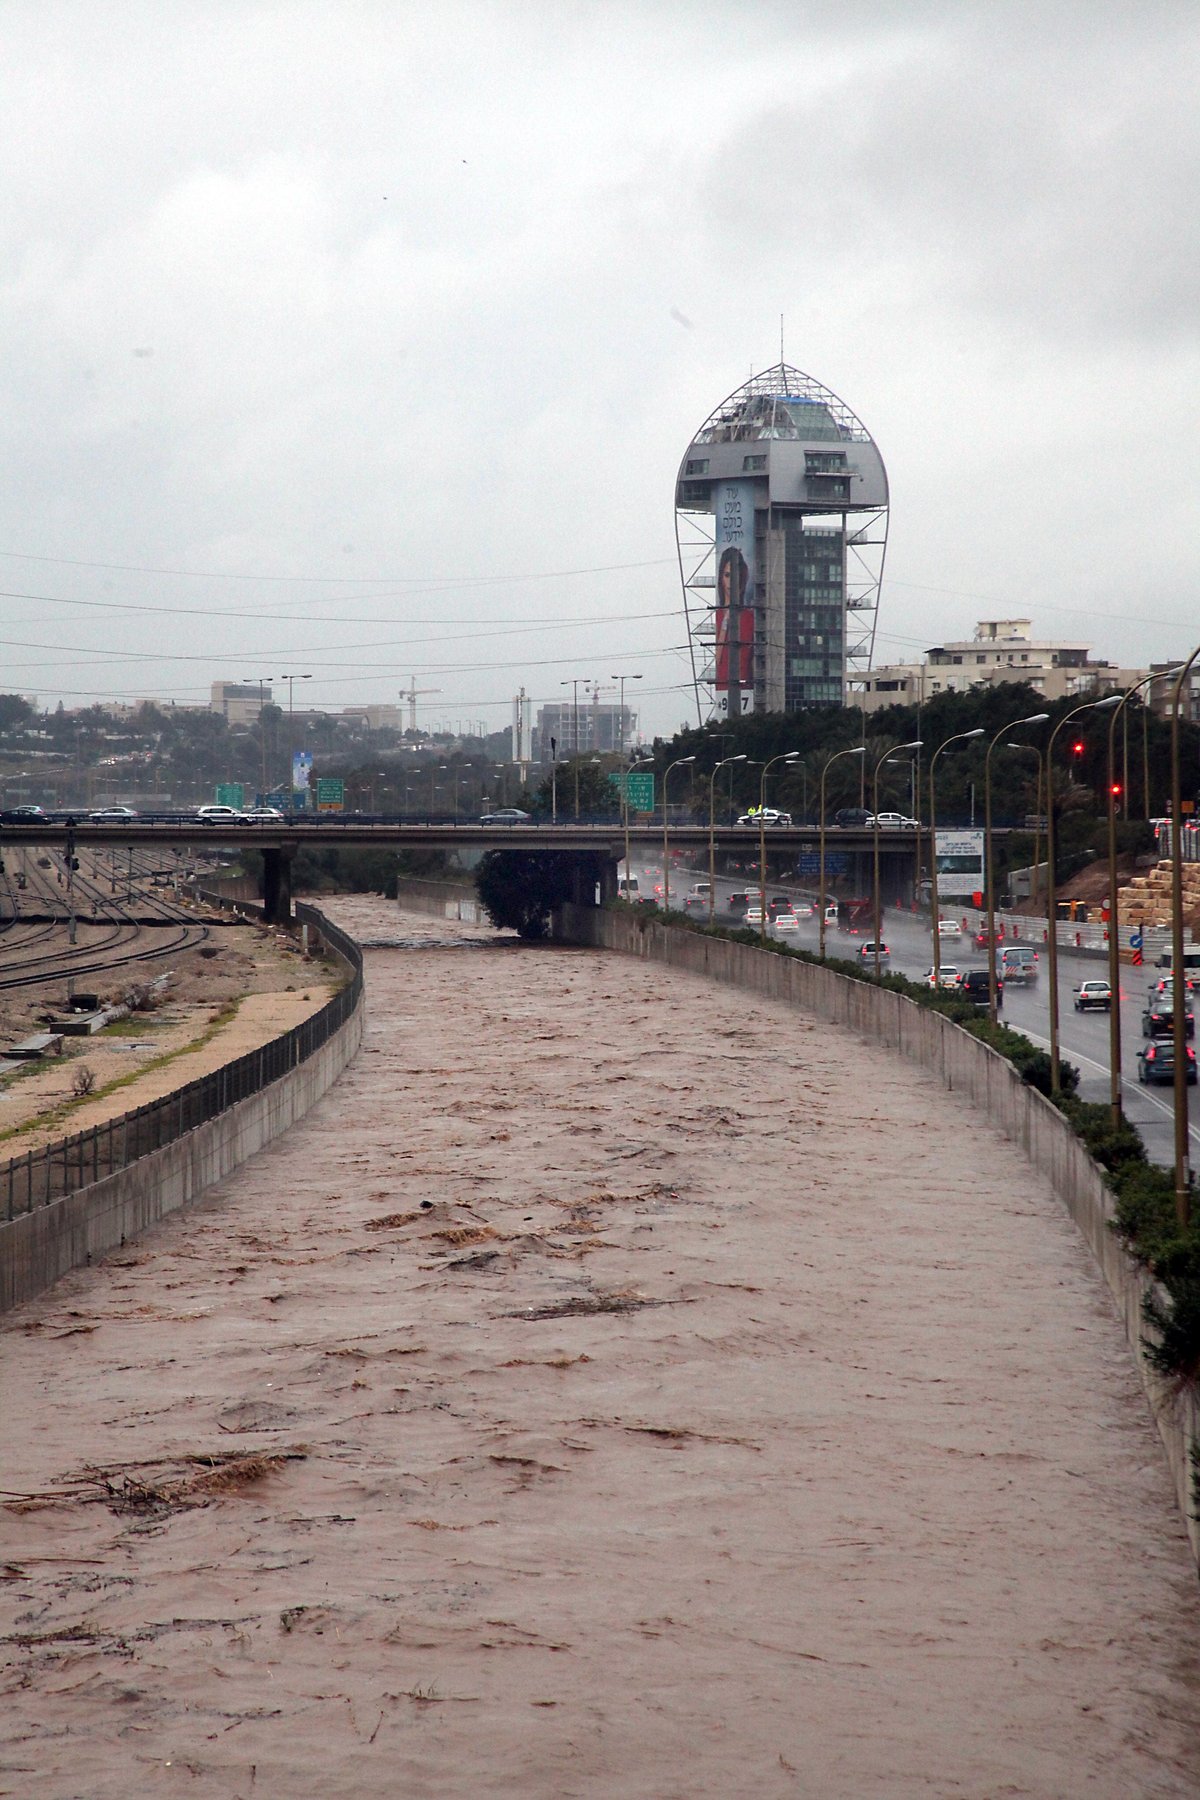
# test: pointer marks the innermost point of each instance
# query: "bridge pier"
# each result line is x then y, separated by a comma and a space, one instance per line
277, 886
608, 881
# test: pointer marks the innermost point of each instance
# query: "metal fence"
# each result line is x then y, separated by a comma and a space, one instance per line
76, 1162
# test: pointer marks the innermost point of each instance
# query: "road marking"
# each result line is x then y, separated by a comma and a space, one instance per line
1135, 1087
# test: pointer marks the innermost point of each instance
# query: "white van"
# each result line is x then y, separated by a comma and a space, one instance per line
1191, 959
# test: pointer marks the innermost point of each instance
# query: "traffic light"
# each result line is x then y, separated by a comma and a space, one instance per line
1115, 790
1077, 748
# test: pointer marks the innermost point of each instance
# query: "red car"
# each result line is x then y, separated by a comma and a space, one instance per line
982, 939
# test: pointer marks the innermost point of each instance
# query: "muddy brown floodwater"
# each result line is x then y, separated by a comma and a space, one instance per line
617, 1387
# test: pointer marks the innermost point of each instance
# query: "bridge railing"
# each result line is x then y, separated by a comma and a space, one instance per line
42, 1176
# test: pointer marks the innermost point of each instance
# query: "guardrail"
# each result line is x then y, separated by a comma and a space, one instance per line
42, 1176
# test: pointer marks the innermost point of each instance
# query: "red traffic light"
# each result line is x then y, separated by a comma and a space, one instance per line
1077, 748
1116, 787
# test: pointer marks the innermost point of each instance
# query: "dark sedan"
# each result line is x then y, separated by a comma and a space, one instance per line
1156, 1062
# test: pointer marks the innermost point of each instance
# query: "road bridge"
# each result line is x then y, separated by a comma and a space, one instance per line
594, 845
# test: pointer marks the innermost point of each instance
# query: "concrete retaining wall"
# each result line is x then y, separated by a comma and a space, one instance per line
439, 899
38, 1247
963, 1064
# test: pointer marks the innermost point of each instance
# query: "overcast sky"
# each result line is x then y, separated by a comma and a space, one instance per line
363, 341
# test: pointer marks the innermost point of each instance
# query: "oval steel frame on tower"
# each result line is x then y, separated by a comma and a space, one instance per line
781, 511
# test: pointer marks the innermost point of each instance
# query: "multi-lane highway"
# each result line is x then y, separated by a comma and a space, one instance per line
1084, 1036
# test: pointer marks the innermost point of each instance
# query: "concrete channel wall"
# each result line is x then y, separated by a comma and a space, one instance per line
964, 1065
38, 1247
439, 899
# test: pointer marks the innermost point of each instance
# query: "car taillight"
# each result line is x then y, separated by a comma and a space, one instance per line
1151, 1054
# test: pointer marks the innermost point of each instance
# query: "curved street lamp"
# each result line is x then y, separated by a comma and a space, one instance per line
788, 756
712, 838
1114, 945
1183, 1178
960, 737
888, 756
1051, 888
679, 760
989, 867
854, 750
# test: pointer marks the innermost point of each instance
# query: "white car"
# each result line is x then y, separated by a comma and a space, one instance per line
111, 815
219, 815
765, 815
803, 909
948, 976
262, 815
787, 922
753, 915
949, 931
894, 821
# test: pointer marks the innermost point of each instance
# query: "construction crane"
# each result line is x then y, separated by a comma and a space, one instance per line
412, 694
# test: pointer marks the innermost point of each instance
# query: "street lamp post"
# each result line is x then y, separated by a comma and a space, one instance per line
989, 878
1051, 886
622, 679
1183, 1178
260, 681
960, 737
888, 756
291, 749
712, 839
854, 750
788, 756
679, 760
1114, 945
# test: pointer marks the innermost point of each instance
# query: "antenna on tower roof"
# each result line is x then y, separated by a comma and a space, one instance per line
781, 356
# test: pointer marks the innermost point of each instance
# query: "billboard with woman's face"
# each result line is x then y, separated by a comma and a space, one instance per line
735, 588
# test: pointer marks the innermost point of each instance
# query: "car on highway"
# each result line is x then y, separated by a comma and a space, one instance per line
893, 821
695, 903
765, 815
779, 903
1019, 963
219, 815
804, 909
264, 815
1158, 1021
16, 814
849, 818
1164, 988
753, 916
949, 931
1093, 996
111, 814
974, 987
786, 922
983, 937
948, 976
866, 955
1156, 1062
505, 815
737, 904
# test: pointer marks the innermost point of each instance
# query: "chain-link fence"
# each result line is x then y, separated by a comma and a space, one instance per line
76, 1162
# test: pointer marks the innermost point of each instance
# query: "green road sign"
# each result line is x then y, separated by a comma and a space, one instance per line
638, 790
331, 795
230, 793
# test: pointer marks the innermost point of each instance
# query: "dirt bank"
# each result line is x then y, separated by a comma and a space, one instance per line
639, 1391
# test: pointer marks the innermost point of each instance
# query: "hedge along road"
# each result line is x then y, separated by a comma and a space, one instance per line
615, 1386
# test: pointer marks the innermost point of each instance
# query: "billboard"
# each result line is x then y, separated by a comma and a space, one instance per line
959, 862
301, 770
734, 620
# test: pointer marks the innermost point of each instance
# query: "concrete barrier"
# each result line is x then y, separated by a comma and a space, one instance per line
39, 1246
966, 1066
439, 899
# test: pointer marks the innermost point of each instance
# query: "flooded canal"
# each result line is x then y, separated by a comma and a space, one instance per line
617, 1387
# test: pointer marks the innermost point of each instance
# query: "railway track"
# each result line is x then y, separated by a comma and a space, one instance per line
120, 929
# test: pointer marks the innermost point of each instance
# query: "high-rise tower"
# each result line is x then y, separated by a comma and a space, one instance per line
781, 509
